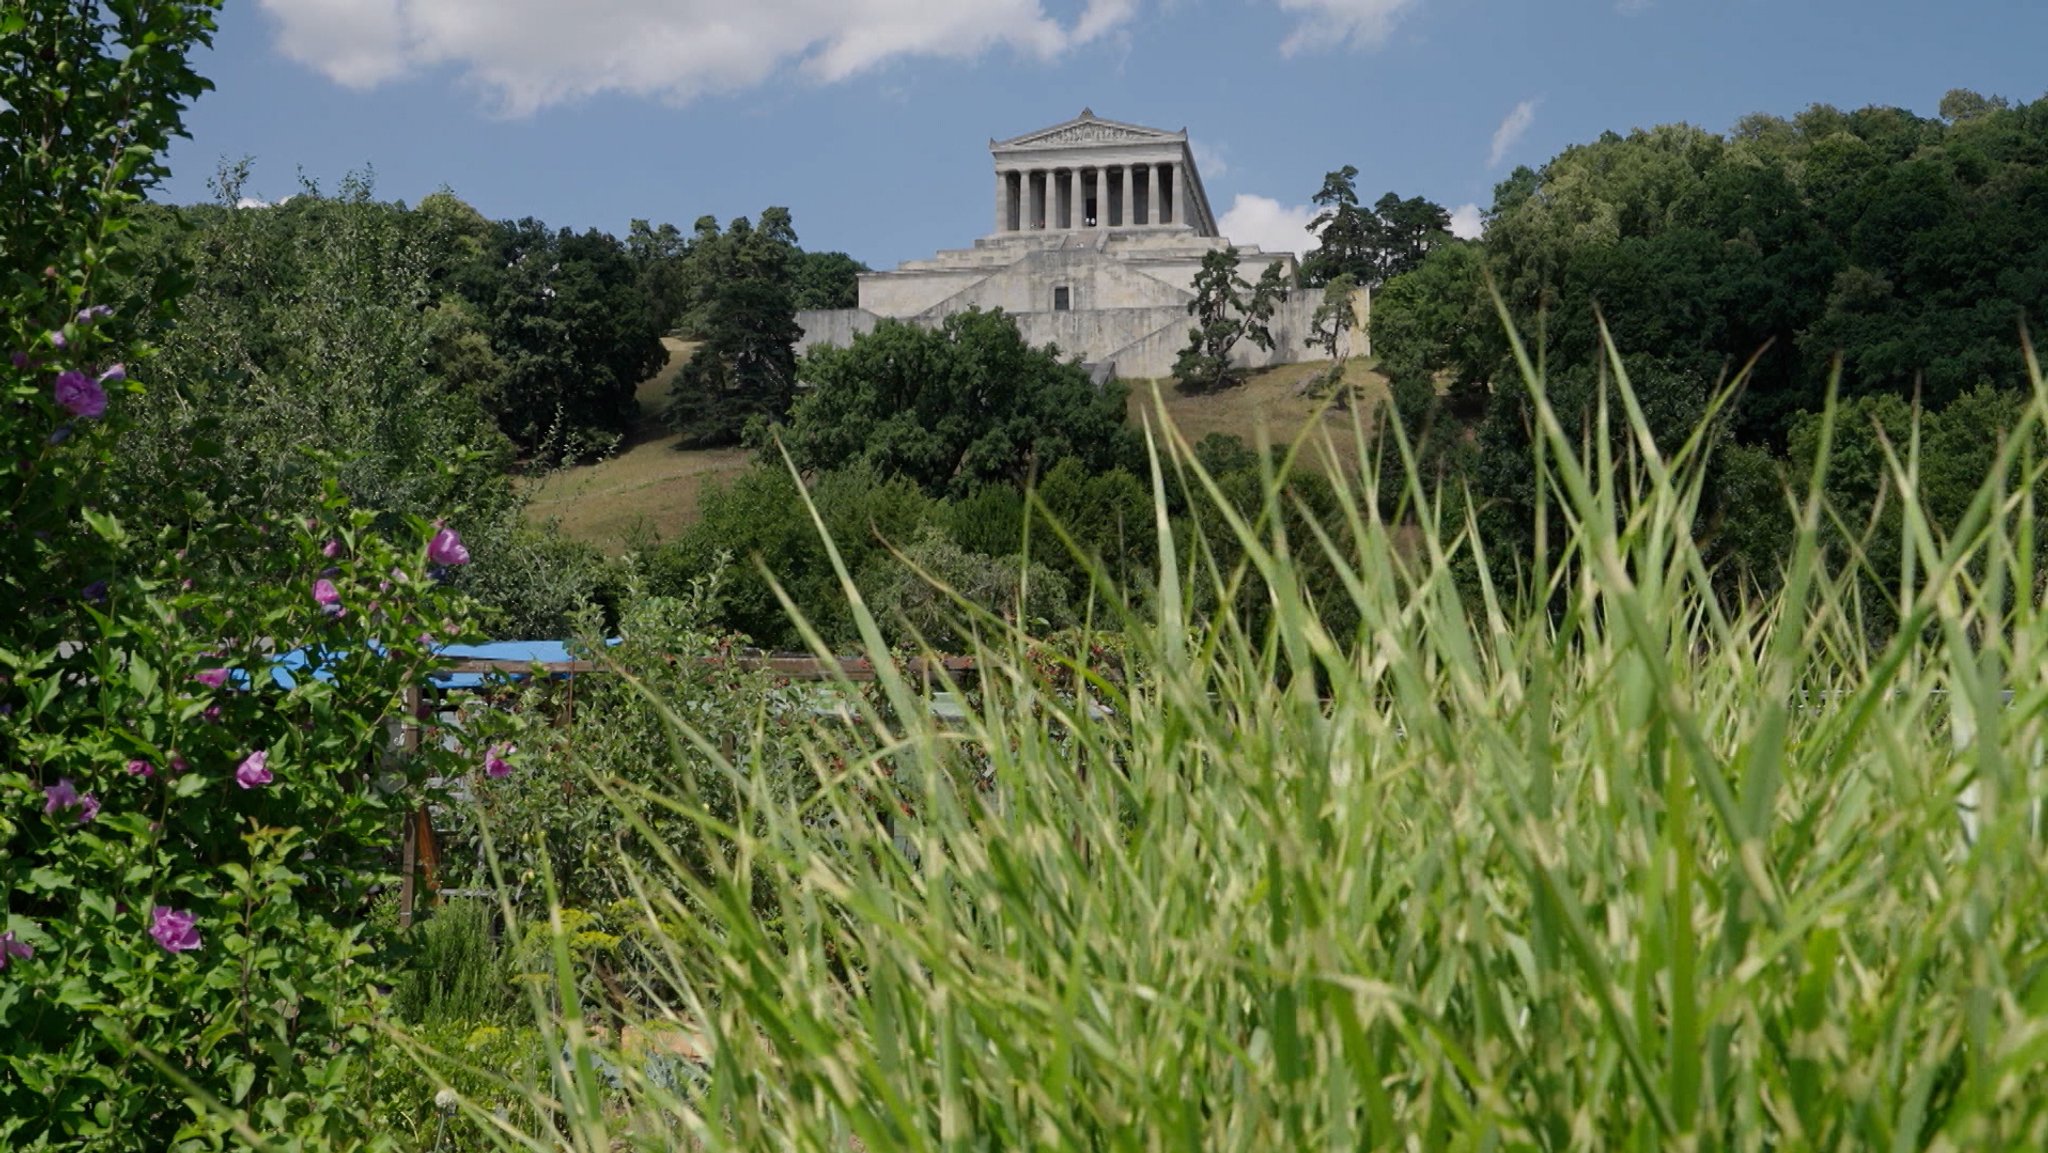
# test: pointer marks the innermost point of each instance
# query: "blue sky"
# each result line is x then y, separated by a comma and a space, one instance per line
870, 119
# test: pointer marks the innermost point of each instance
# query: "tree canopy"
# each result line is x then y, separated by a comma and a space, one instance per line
1369, 245
954, 408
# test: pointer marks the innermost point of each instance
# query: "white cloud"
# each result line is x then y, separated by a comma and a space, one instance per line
1467, 222
1273, 226
529, 54
1209, 161
1331, 23
1510, 131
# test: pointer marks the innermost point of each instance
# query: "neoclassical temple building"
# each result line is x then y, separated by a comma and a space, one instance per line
1100, 228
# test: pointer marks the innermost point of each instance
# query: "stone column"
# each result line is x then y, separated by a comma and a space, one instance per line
1101, 197
1002, 201
1077, 201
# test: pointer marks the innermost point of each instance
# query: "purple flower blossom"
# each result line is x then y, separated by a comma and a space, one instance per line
495, 765
19, 359
141, 768
13, 950
80, 395
174, 929
62, 434
57, 340
327, 596
94, 314
331, 549
94, 592
61, 795
88, 809
211, 715
178, 765
446, 549
211, 678
254, 770
114, 374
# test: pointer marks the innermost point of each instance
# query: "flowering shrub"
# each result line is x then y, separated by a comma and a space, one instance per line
201, 793
200, 787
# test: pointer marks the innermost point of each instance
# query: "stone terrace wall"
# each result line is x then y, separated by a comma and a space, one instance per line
1143, 342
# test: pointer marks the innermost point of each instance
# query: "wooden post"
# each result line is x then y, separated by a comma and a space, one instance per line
408, 855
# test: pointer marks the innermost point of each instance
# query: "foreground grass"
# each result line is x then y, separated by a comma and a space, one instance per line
1603, 863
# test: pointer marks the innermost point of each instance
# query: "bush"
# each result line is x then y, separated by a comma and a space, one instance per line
198, 787
457, 972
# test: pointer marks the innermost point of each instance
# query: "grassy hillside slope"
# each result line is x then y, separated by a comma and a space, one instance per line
649, 490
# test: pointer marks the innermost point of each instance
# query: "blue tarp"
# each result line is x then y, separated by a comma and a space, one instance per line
286, 668
525, 652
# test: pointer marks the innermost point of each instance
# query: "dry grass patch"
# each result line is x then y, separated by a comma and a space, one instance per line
648, 490
1270, 402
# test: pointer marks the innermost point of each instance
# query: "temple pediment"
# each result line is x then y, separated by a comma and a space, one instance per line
1088, 128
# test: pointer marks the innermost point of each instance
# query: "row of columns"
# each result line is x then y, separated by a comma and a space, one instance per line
1058, 199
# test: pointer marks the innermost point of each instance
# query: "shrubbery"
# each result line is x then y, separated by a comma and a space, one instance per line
198, 792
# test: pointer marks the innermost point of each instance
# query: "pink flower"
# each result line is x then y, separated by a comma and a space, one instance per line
114, 374
211, 678
176, 930
178, 765
88, 809
62, 795
211, 715
11, 949
495, 765
254, 770
331, 549
141, 768
57, 340
446, 549
327, 596
80, 395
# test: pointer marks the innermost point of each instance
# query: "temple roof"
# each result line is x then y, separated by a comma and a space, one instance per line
1088, 128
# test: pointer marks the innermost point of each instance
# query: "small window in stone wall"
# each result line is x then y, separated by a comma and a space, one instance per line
1062, 300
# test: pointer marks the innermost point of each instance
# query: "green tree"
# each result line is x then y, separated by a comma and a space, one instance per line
1403, 233
1334, 319
1227, 309
1439, 319
1369, 245
1343, 232
745, 369
568, 316
954, 408
826, 280
662, 257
